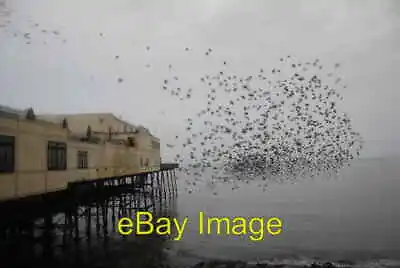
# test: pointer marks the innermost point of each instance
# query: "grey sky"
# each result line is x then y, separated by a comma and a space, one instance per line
80, 74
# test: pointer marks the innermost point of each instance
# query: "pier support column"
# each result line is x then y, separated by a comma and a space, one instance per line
164, 185
89, 224
171, 185
175, 184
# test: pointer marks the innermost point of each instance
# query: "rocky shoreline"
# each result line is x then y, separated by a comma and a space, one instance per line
239, 264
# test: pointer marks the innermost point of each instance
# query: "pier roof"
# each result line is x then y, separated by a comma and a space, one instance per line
7, 111
81, 119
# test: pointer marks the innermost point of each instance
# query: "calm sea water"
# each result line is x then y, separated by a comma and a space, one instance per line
355, 217
352, 218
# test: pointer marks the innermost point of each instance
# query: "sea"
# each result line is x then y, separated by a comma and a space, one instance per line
351, 219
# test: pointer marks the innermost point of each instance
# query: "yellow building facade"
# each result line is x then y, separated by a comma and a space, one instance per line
46, 153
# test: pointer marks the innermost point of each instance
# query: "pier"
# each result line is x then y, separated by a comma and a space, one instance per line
81, 218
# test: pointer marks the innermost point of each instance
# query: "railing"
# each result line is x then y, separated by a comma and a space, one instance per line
169, 165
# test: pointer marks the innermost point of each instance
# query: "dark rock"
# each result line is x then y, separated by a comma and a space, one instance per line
328, 265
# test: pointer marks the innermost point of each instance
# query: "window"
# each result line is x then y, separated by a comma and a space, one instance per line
141, 162
109, 133
82, 159
131, 142
7, 149
56, 155
146, 163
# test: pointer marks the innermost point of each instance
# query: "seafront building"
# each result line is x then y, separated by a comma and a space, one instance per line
43, 153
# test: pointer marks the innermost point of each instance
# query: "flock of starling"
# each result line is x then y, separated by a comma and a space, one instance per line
273, 125
270, 126
36, 34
